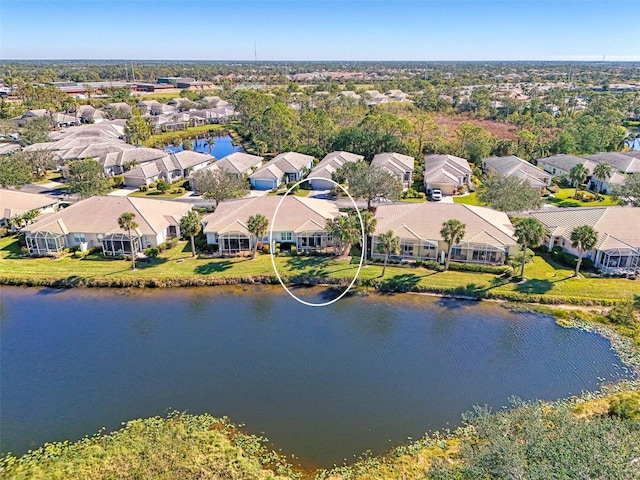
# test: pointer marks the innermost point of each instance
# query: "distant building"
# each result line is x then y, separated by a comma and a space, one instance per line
512, 166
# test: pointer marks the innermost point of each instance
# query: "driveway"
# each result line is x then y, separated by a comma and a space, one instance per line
122, 192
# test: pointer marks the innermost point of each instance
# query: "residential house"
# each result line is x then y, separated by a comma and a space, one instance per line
240, 164
8, 147
14, 203
396, 95
512, 166
349, 94
618, 248
374, 97
323, 172
123, 108
171, 167
284, 168
94, 223
619, 161
398, 164
22, 120
446, 173
300, 221
114, 163
561, 164
488, 238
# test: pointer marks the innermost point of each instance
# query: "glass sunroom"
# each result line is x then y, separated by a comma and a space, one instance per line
234, 242
46, 243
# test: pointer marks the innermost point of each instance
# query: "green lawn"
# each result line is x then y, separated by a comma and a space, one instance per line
299, 193
50, 177
155, 193
471, 199
564, 198
544, 277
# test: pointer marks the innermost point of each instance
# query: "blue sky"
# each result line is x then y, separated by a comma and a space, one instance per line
320, 30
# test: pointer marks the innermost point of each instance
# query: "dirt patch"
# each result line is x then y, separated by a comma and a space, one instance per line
497, 129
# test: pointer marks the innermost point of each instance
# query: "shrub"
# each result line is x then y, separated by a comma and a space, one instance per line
118, 180
74, 248
553, 188
162, 185
625, 406
152, 252
291, 184
623, 313
95, 251
153, 185
480, 268
4, 231
143, 188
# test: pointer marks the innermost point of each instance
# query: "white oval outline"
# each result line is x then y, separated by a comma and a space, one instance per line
273, 262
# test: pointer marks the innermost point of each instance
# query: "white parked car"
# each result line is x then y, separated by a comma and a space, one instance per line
436, 195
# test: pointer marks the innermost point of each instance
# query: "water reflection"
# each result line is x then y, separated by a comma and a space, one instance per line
324, 383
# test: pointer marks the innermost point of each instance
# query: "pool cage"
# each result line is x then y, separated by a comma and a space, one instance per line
620, 261
46, 243
119, 244
477, 253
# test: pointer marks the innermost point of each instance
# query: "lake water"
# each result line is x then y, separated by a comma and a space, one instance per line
322, 383
222, 146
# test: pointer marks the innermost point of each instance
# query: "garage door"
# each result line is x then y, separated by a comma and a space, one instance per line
321, 184
263, 184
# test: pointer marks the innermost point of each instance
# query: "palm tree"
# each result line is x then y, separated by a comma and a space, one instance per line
257, 226
126, 222
369, 222
578, 174
584, 238
388, 244
190, 226
602, 172
452, 232
530, 232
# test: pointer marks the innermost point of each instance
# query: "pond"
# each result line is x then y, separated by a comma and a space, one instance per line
221, 146
324, 384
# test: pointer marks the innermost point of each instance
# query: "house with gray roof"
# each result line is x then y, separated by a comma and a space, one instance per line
284, 168
114, 163
171, 167
618, 248
240, 163
94, 223
398, 164
512, 166
446, 173
619, 161
14, 203
488, 239
323, 172
300, 221
561, 164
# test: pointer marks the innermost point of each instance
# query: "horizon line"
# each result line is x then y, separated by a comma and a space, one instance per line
6, 60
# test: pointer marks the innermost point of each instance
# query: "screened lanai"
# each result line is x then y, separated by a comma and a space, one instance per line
234, 242
477, 253
45, 243
120, 244
621, 260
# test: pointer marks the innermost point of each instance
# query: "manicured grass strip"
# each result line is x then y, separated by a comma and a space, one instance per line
471, 199
547, 282
564, 198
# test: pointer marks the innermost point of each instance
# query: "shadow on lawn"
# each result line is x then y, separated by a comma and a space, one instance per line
404, 282
213, 267
535, 286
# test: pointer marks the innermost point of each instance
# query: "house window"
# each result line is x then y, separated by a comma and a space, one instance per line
79, 237
407, 249
407, 176
285, 236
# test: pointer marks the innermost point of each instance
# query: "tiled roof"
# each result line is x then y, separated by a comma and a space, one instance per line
331, 162
295, 213
613, 224
424, 220
239, 162
15, 202
100, 215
